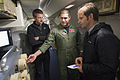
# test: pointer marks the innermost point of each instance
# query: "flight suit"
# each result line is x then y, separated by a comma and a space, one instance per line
67, 44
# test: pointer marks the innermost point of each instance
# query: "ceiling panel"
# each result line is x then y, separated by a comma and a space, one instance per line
56, 5
50, 7
29, 5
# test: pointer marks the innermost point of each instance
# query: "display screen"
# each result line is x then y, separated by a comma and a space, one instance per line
5, 38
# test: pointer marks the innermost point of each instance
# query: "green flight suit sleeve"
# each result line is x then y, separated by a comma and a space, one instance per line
48, 42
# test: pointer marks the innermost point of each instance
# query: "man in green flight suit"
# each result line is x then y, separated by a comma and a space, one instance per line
67, 41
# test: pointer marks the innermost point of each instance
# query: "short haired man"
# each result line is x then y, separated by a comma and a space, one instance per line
37, 33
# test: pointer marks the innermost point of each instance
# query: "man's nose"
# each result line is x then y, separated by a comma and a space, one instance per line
63, 19
78, 21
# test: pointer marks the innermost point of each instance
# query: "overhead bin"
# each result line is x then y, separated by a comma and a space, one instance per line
7, 9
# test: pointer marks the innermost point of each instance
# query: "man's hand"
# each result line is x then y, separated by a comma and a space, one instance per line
36, 38
32, 57
78, 62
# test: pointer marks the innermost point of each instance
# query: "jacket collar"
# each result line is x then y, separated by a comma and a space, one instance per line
100, 25
36, 25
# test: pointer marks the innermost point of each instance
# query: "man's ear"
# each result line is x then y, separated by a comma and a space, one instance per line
70, 17
91, 16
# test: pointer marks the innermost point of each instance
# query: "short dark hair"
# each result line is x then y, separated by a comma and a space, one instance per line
64, 11
91, 8
36, 11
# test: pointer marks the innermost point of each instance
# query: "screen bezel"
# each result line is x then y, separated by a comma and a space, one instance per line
9, 36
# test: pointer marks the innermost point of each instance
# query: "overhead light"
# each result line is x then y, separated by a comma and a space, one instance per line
40, 4
46, 15
40, 8
69, 6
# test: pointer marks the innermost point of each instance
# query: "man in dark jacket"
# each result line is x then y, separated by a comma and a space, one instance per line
37, 33
99, 60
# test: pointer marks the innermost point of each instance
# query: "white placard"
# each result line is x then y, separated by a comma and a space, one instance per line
4, 38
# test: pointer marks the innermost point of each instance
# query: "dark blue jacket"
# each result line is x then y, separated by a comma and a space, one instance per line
35, 30
100, 57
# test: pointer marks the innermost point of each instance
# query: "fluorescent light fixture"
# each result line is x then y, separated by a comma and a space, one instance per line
40, 4
69, 6
46, 15
40, 8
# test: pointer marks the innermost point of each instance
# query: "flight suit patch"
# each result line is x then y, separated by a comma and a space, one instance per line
64, 32
71, 30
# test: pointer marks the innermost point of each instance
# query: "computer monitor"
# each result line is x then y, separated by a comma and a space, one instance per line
5, 38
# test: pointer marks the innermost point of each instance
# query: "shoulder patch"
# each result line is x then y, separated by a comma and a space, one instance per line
71, 30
